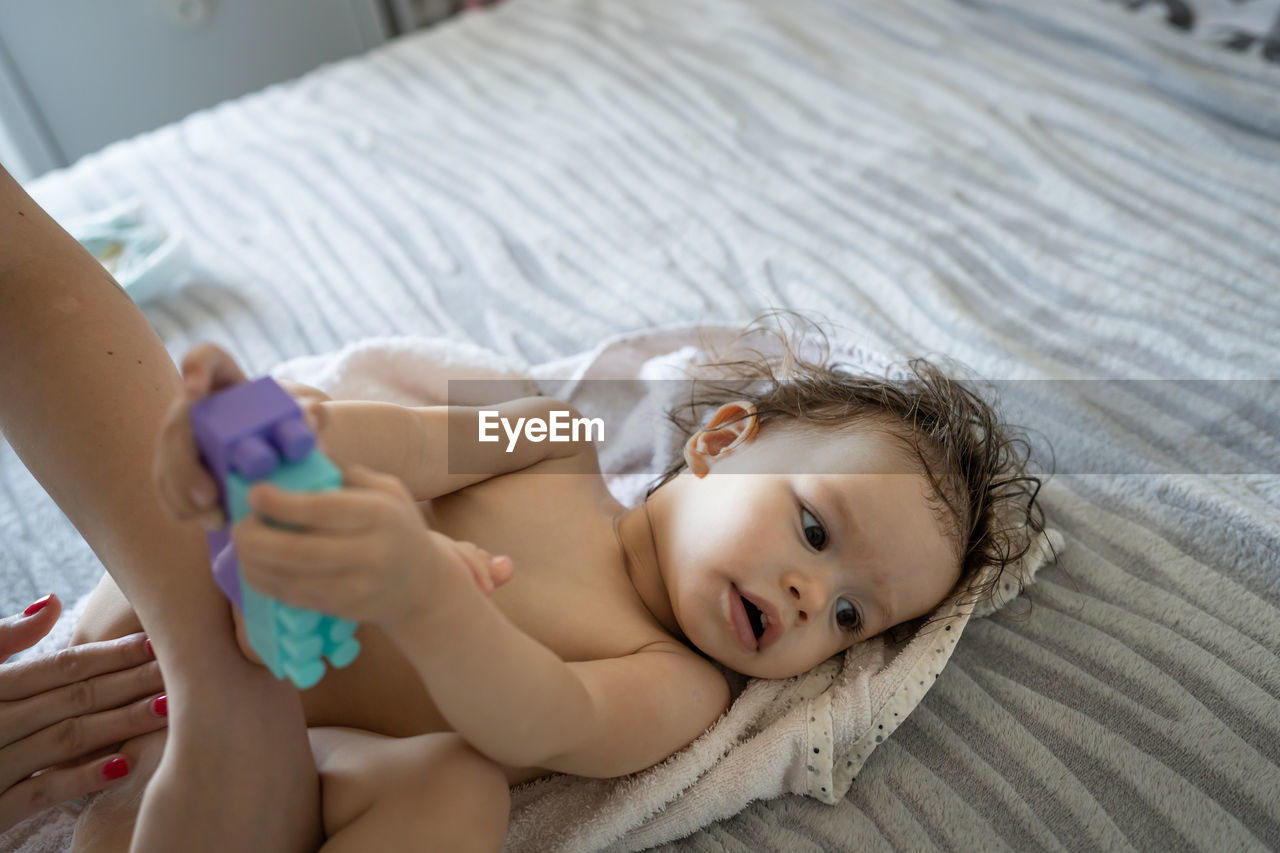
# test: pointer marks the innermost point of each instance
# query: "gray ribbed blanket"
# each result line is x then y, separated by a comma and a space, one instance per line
1035, 190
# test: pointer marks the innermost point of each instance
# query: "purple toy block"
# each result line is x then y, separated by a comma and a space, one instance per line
294, 439
226, 571
227, 444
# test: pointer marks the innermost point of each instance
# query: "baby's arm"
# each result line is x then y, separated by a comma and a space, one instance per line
436, 450
363, 553
517, 702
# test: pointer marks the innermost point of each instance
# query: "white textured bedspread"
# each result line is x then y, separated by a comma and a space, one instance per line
1040, 191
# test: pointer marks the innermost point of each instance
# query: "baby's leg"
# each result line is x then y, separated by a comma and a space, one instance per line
430, 792
84, 386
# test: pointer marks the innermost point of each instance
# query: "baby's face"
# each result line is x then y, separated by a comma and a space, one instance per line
799, 544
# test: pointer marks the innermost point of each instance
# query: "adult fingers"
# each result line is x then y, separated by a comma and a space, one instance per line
37, 793
24, 630
73, 737
37, 675
80, 698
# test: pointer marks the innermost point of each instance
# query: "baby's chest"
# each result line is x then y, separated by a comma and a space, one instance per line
570, 590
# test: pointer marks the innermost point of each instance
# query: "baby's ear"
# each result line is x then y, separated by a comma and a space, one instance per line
733, 425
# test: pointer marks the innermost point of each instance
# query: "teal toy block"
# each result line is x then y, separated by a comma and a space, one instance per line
292, 641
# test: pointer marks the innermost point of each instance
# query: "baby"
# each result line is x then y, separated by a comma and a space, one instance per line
521, 621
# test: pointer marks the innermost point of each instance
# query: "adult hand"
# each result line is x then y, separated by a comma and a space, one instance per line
57, 709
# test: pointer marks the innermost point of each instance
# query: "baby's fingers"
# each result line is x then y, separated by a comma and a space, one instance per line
501, 569
208, 369
186, 489
488, 571
361, 477
332, 511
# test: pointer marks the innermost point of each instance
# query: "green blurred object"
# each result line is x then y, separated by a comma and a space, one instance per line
143, 257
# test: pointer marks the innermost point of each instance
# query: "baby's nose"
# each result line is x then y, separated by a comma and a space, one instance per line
807, 594
801, 615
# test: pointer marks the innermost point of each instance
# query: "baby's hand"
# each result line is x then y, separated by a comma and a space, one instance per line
362, 552
186, 488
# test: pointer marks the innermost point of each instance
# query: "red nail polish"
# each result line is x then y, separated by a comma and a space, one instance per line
160, 705
150, 650
36, 606
116, 768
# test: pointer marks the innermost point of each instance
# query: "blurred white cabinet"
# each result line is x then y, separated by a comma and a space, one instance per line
78, 74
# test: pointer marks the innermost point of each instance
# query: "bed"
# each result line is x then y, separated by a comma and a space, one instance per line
1071, 199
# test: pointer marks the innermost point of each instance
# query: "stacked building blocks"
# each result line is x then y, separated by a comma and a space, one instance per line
250, 432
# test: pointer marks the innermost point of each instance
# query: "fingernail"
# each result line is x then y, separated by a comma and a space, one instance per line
160, 705
116, 768
36, 606
150, 650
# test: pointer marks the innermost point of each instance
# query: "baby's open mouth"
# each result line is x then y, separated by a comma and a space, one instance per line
756, 617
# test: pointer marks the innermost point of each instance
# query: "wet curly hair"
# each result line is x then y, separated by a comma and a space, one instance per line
978, 467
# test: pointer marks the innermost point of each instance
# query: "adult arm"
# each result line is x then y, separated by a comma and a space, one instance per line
84, 386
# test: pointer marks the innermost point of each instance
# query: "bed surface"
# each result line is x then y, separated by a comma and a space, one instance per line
1041, 192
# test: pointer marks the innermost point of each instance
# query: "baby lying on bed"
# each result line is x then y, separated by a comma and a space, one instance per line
519, 621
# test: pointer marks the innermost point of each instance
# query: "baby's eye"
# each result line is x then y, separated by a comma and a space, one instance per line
847, 616
814, 533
